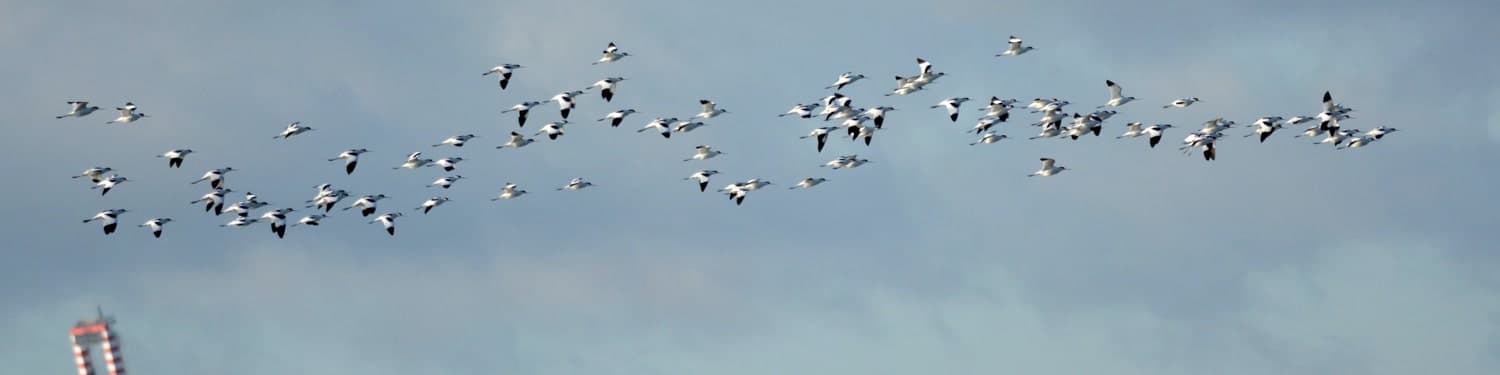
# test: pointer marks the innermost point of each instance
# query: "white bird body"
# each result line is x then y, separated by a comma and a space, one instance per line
388, 221
552, 130
311, 220
704, 152
687, 126
505, 71
566, 102
80, 108
808, 183
576, 184
701, 177
616, 117
108, 218
516, 141
1015, 48
127, 114
710, 109
509, 191
215, 177
431, 203
607, 87
1154, 133
456, 141
844, 80
988, 138
214, 200
1132, 130
1049, 168
611, 54
414, 161
240, 221
1181, 103
660, 124
801, 110
446, 182
95, 174
175, 157
292, 129
1116, 99
448, 164
155, 225
109, 183
952, 104
366, 204
350, 158
521, 111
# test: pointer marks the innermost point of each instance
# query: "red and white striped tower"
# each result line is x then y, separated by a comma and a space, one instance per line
88, 333
81, 357
112, 359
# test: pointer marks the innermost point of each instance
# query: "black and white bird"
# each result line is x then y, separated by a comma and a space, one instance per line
109, 183
456, 141
1380, 132
577, 183
687, 126
447, 164
704, 152
240, 221
844, 80
1049, 167
414, 161
566, 101
877, 115
1181, 103
504, 70
109, 218
215, 177
521, 110
821, 135
616, 117
552, 130
351, 159
1132, 130
155, 225
1015, 49
662, 125
611, 54
1115, 98
174, 157
516, 141
998, 108
607, 87
710, 109
1201, 141
326, 200
95, 174
80, 108
952, 105
277, 218
1265, 126
801, 110
366, 204
214, 201
984, 124
1356, 141
446, 182
988, 138
127, 114
389, 221
431, 203
292, 129
701, 177
807, 183
509, 191
311, 220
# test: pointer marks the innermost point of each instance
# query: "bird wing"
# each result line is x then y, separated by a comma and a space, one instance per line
708, 105
1114, 89
1047, 163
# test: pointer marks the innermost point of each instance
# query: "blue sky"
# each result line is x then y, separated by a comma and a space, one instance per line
1281, 257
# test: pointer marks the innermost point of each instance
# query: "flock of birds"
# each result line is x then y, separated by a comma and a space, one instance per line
857, 123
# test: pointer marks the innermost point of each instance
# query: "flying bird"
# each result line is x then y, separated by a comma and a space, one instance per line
509, 191
456, 141
431, 203
701, 177
109, 183
704, 152
576, 184
95, 174
214, 200
389, 221
174, 157
521, 110
448, 164
1132, 130
351, 159
998, 108
687, 126
1115, 99
414, 161
821, 135
310, 220
844, 80
292, 129
1049, 167
808, 183
710, 109
127, 114
504, 70
446, 182
109, 218
877, 115
616, 117
801, 110
516, 141
80, 108
566, 102
215, 177
988, 138
155, 225
1015, 48
952, 105
552, 129
607, 87
240, 221
611, 54
366, 204
660, 124
1265, 126
1181, 103
278, 220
